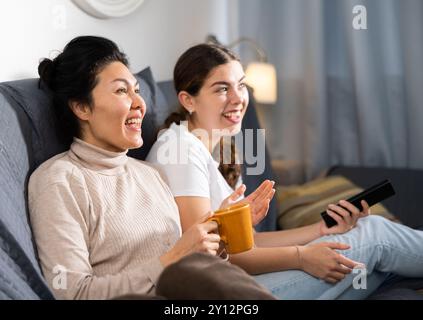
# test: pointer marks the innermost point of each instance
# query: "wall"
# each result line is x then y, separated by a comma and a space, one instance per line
155, 35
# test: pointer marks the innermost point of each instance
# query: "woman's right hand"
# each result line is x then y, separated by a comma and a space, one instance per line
322, 261
200, 237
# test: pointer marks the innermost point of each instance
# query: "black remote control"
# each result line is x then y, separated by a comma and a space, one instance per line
372, 195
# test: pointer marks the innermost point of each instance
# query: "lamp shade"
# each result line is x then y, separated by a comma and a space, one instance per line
261, 77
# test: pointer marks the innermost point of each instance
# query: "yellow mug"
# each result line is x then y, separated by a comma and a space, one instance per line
235, 227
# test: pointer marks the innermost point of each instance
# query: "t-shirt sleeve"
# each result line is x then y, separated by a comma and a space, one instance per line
188, 177
59, 220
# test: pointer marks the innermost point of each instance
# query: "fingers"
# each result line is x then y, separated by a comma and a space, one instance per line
211, 243
204, 218
260, 202
355, 212
213, 237
238, 192
338, 273
343, 269
336, 217
264, 187
210, 226
233, 197
347, 205
366, 209
200, 238
260, 213
335, 245
268, 191
338, 276
342, 212
348, 262
267, 194
212, 247
259, 206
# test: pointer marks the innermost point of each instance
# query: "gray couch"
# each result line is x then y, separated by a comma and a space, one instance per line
28, 138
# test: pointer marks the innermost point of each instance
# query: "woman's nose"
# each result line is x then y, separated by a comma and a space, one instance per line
237, 96
139, 103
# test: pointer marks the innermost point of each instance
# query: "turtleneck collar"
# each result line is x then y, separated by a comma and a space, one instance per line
98, 159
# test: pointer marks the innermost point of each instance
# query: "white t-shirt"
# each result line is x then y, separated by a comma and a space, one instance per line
188, 167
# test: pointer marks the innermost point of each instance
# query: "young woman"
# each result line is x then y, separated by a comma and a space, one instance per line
105, 225
210, 83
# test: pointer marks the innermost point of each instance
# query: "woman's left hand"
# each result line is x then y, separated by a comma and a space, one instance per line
259, 200
346, 215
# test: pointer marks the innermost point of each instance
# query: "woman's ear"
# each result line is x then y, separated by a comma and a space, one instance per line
81, 110
187, 101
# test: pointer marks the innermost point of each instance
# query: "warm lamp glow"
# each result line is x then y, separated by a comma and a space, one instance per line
261, 77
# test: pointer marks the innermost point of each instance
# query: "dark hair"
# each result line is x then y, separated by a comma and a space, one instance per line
190, 73
72, 76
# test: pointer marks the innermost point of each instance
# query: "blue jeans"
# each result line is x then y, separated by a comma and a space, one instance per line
383, 246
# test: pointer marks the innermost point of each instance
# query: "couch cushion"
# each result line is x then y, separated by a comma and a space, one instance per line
20, 277
13, 284
36, 103
15, 234
15, 150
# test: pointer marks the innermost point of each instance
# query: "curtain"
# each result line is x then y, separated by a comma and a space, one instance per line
345, 96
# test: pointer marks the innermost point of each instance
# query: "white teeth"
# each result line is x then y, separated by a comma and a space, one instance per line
232, 114
133, 121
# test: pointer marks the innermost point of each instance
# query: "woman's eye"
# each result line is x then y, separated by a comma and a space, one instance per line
137, 91
222, 89
242, 85
121, 90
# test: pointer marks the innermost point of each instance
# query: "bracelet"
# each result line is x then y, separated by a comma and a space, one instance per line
299, 257
224, 255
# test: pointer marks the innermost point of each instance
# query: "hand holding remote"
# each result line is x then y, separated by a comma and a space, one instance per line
372, 195
345, 215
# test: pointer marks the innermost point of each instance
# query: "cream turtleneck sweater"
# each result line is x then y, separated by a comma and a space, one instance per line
101, 220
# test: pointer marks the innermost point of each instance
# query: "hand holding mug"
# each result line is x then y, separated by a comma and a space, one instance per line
200, 237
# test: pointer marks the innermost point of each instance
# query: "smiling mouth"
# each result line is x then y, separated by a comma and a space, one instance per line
233, 116
134, 124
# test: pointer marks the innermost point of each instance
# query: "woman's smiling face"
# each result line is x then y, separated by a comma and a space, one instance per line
222, 100
113, 122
